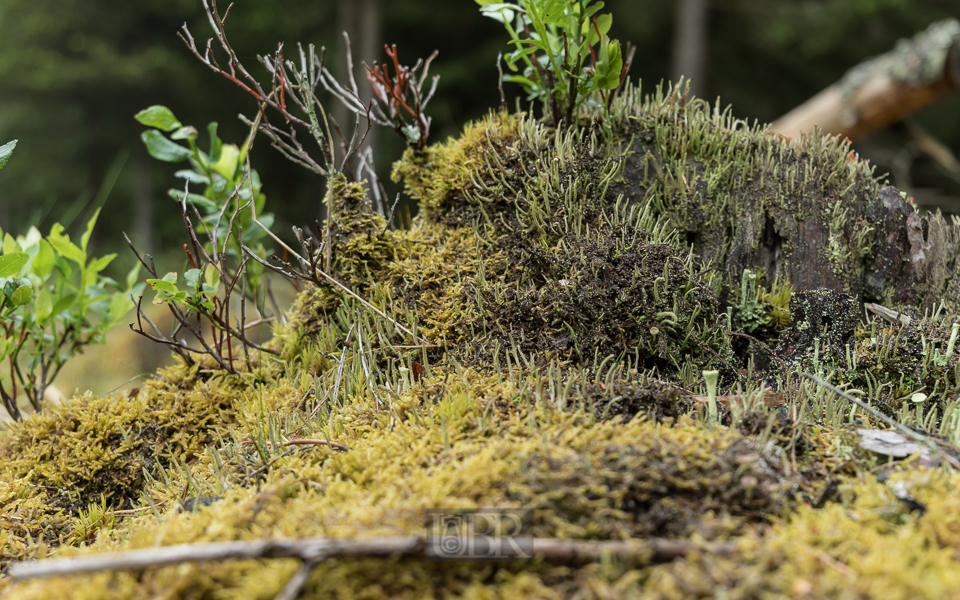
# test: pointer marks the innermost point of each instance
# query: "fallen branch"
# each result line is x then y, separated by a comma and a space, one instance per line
314, 550
883, 90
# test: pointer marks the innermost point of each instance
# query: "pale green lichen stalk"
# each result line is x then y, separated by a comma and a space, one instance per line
711, 377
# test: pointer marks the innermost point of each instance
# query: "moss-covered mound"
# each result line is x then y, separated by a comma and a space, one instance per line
536, 340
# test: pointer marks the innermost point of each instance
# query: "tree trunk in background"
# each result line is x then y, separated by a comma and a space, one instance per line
690, 45
143, 222
361, 20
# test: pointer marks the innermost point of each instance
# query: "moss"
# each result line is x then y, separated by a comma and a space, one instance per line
443, 176
563, 291
869, 546
711, 483
94, 450
361, 242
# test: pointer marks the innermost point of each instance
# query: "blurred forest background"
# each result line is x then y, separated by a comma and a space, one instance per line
74, 72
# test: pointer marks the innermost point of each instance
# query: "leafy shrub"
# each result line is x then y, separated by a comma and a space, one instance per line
54, 301
218, 269
557, 47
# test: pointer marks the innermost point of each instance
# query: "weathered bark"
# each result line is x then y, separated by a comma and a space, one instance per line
807, 211
883, 90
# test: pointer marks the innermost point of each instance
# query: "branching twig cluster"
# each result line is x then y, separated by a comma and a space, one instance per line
403, 90
210, 312
308, 269
294, 84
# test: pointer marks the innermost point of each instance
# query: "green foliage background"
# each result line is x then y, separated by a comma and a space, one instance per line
73, 74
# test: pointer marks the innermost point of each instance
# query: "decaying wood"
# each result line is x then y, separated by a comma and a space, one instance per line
883, 90
894, 316
314, 550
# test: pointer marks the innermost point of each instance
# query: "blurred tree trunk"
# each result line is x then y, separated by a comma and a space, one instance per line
690, 44
360, 19
143, 221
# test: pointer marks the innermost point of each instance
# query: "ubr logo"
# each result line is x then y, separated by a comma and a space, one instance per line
483, 534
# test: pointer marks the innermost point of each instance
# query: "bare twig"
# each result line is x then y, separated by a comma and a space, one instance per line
924, 440
315, 550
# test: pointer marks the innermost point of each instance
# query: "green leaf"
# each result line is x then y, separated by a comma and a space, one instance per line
85, 238
44, 304
592, 10
10, 264
185, 133
160, 285
5, 151
101, 263
10, 245
132, 276
63, 304
228, 161
95, 266
191, 277
215, 143
44, 260
119, 306
193, 177
609, 67
502, 13
158, 116
603, 24
64, 247
21, 295
211, 276
163, 149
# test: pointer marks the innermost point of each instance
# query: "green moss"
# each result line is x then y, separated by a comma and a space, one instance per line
871, 545
565, 290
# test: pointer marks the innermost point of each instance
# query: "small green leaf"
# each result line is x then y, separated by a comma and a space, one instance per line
7, 345
10, 264
21, 295
64, 247
609, 67
191, 277
44, 260
158, 116
63, 304
10, 245
226, 165
160, 285
603, 24
163, 149
185, 133
211, 276
44, 304
5, 151
119, 306
132, 276
215, 143
101, 263
85, 238
192, 177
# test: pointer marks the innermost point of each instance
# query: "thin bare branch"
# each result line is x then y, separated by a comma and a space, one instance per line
641, 552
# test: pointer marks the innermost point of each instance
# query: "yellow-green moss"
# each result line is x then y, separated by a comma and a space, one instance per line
439, 175
561, 325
